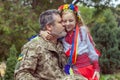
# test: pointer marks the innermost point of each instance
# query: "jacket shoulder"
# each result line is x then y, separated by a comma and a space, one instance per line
34, 43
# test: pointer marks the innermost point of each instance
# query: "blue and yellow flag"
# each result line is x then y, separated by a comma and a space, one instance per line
20, 57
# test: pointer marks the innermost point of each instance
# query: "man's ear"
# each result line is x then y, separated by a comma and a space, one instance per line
49, 27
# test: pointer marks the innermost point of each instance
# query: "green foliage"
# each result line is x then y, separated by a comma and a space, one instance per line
17, 24
87, 14
118, 37
41, 5
11, 61
105, 36
116, 12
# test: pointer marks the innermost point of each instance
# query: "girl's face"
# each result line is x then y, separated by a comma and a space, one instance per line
68, 20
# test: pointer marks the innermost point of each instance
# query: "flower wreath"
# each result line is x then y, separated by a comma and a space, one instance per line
70, 7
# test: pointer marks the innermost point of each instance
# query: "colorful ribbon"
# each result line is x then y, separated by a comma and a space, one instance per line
73, 52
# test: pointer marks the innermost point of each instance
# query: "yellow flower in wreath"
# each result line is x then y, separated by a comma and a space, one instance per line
66, 6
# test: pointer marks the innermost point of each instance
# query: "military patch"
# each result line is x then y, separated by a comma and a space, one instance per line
20, 57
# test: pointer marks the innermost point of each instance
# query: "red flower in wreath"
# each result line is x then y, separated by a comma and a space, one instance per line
61, 8
76, 8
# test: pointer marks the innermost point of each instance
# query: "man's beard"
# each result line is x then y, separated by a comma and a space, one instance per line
62, 34
59, 35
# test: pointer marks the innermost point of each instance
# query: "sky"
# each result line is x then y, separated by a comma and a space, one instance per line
116, 2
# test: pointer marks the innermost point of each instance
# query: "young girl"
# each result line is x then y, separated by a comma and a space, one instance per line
78, 44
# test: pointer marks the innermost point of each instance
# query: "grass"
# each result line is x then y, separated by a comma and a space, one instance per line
115, 76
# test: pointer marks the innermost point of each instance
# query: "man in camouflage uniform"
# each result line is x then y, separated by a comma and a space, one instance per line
42, 58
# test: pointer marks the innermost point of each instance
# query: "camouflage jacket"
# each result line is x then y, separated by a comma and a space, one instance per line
41, 60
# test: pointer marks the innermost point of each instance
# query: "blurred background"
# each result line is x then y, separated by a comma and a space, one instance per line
19, 21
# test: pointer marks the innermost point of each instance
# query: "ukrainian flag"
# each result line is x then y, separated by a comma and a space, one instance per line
20, 57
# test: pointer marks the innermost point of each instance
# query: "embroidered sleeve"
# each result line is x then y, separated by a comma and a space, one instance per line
92, 52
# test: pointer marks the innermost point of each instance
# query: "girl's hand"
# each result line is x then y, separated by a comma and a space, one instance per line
96, 74
45, 34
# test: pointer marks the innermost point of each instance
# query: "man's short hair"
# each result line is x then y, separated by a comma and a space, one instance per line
47, 17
